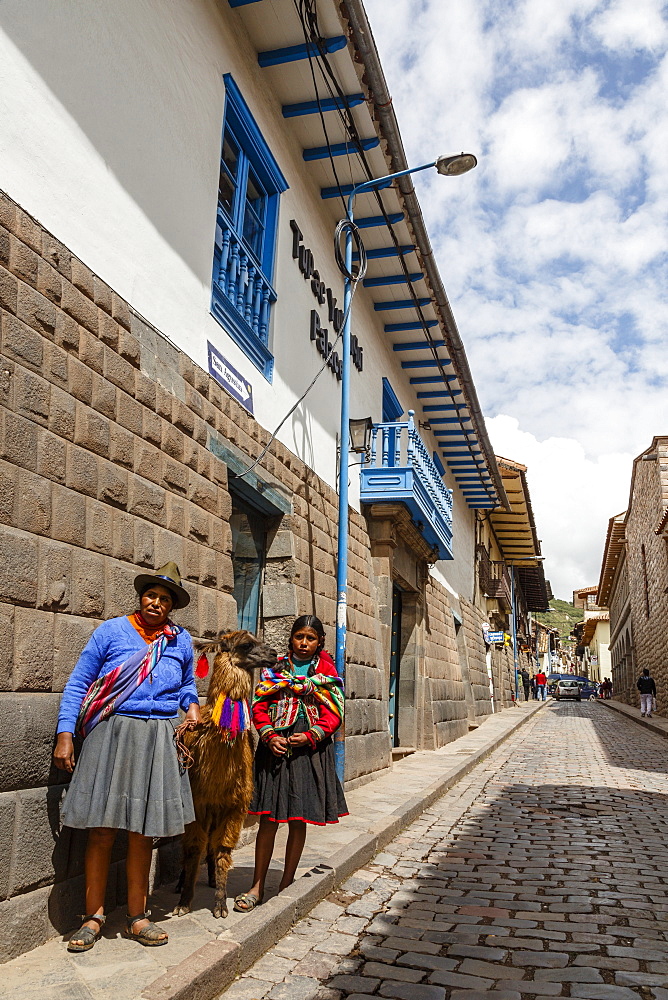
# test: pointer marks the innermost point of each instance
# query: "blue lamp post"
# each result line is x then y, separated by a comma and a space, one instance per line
448, 166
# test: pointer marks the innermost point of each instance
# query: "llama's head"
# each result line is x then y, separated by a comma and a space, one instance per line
236, 656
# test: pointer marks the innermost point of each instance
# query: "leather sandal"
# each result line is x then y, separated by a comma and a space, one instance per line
85, 937
150, 936
245, 902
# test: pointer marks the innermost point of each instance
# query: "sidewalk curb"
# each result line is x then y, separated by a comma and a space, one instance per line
211, 969
627, 711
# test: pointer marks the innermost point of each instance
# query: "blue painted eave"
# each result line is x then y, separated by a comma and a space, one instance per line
293, 53
370, 221
392, 279
400, 304
339, 149
324, 104
417, 345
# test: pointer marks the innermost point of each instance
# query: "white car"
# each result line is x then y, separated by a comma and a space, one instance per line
568, 689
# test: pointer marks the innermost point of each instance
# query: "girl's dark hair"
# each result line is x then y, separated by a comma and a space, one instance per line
309, 621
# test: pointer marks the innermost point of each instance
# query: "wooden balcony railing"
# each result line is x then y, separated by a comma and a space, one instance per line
400, 468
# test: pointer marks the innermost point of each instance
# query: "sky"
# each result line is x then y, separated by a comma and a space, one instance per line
553, 250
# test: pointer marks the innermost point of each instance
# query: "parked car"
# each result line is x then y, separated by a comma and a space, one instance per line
588, 689
568, 689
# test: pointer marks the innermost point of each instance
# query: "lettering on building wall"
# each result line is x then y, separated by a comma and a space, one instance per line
325, 297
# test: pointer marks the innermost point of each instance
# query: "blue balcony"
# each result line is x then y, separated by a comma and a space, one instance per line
401, 469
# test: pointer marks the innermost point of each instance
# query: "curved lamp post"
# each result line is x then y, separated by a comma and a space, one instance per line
447, 166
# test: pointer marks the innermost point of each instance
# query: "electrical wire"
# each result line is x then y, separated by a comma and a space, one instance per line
353, 289
313, 36
298, 4
346, 227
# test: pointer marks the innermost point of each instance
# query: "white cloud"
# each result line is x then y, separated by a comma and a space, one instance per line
632, 24
563, 479
554, 250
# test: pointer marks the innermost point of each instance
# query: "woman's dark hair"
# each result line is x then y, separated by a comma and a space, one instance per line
309, 621
158, 583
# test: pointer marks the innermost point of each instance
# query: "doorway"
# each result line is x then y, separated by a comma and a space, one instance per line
249, 544
395, 666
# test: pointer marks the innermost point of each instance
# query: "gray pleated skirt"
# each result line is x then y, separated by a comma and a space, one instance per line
128, 777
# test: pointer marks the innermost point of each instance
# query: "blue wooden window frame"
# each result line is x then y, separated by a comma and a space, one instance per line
249, 191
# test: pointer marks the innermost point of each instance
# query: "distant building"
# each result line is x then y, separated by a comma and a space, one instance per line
634, 578
510, 565
592, 635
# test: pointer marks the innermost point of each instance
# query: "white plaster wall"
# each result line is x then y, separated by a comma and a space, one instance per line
111, 127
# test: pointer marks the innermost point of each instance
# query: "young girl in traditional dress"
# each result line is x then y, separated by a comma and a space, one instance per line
298, 705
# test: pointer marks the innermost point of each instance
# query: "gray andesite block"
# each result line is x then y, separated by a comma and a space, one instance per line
279, 600
24, 923
7, 812
366, 753
28, 720
280, 546
39, 855
7, 646
71, 633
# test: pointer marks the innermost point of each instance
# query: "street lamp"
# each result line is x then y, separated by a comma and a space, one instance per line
447, 166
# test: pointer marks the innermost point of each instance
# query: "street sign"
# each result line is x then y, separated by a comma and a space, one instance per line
494, 637
232, 380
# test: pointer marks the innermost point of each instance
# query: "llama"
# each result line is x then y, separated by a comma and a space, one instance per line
221, 776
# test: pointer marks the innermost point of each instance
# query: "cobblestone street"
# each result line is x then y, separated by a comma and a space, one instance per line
542, 873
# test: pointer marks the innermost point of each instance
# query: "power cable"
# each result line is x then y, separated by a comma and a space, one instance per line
359, 275
314, 37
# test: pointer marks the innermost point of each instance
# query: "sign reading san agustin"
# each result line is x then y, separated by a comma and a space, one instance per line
324, 296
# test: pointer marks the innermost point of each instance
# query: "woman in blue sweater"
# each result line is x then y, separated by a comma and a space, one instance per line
123, 696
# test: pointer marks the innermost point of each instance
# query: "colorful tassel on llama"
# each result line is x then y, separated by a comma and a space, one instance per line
232, 717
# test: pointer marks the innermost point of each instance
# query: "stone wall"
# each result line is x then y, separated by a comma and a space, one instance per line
476, 654
109, 438
503, 670
448, 706
624, 674
647, 569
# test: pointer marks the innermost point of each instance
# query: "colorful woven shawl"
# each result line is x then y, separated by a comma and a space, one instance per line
232, 717
321, 688
107, 693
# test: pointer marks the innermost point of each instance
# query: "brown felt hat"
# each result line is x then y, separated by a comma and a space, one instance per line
167, 576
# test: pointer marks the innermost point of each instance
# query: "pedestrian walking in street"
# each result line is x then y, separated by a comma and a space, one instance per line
532, 686
541, 685
298, 705
526, 682
647, 689
123, 696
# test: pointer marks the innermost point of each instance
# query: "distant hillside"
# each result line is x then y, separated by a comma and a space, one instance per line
563, 616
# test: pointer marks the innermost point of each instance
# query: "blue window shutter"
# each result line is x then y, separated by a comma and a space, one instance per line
245, 248
392, 408
438, 463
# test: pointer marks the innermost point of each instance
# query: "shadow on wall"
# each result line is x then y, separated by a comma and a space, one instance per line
106, 65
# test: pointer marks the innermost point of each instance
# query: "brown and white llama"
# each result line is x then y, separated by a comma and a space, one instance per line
221, 774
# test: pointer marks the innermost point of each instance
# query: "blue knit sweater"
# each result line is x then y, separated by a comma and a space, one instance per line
170, 686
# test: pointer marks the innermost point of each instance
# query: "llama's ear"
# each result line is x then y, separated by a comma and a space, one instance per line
224, 640
204, 648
